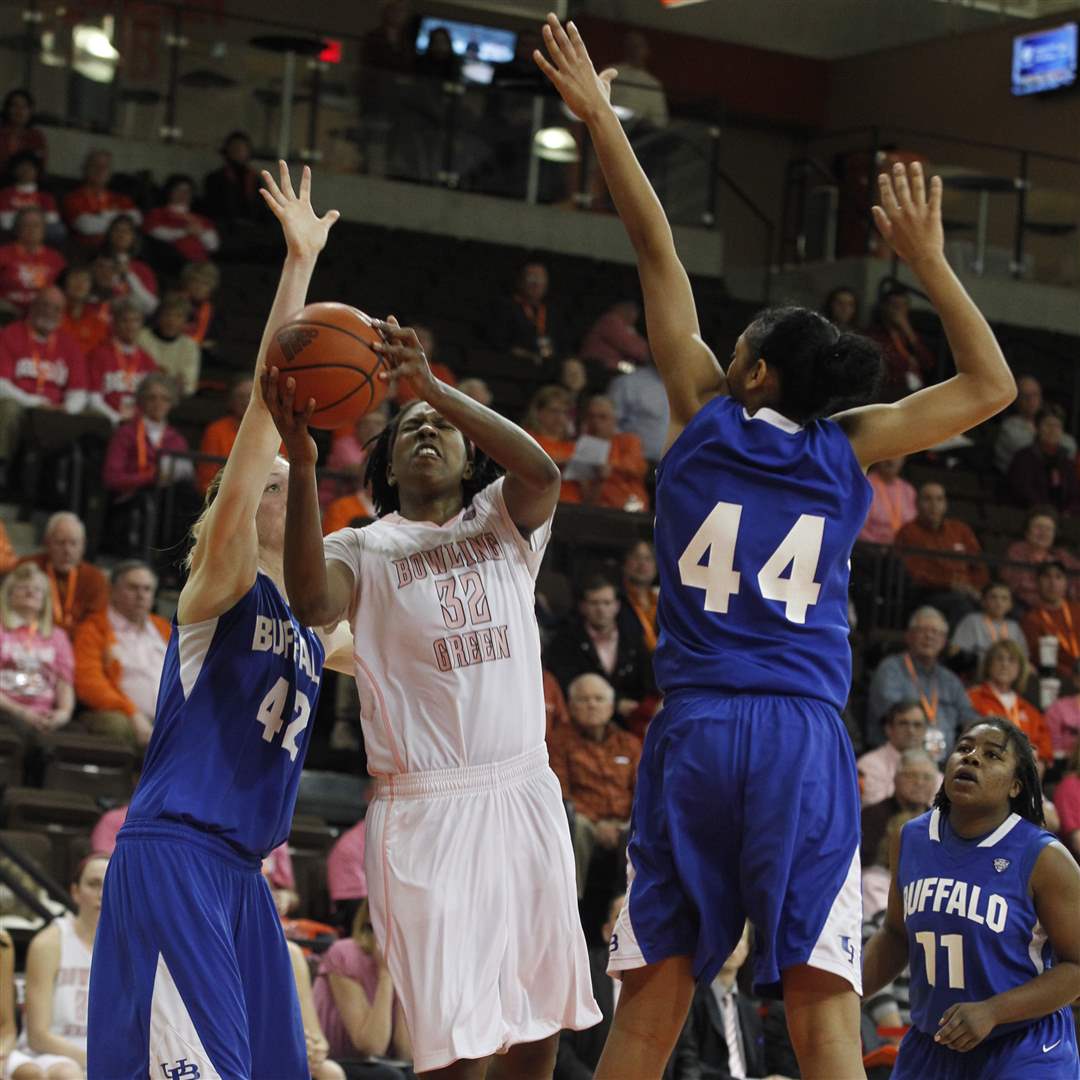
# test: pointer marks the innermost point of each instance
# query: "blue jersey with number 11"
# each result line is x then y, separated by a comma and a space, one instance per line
234, 714
755, 521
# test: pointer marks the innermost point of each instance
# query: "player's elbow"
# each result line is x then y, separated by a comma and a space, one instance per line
311, 609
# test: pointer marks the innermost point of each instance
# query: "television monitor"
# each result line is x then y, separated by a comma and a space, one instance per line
1044, 60
480, 47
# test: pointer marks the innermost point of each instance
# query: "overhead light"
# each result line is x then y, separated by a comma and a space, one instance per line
555, 144
93, 41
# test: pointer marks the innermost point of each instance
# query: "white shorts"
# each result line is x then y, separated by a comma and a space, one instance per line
18, 1058
473, 900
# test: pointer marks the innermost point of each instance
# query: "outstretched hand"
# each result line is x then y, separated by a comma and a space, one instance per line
305, 232
909, 217
280, 397
404, 356
571, 71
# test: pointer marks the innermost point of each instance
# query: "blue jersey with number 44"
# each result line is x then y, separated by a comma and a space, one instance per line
234, 713
755, 521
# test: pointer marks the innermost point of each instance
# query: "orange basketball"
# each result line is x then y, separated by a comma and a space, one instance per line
326, 348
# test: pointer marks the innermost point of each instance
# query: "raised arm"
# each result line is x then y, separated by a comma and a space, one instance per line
531, 487
909, 218
225, 558
690, 371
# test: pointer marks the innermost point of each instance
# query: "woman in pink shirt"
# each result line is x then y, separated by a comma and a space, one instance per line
37, 666
1063, 720
1067, 804
355, 999
1040, 532
893, 505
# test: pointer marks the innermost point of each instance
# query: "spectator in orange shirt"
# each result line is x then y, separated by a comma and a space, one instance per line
199, 281
953, 586
78, 588
554, 703
91, 207
8, 558
119, 655
219, 436
17, 135
596, 763
85, 321
640, 591
27, 265
620, 483
893, 505
348, 511
547, 420
1005, 671
613, 340
1056, 617
136, 280
401, 390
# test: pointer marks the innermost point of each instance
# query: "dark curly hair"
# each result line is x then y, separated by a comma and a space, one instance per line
387, 498
1029, 802
822, 370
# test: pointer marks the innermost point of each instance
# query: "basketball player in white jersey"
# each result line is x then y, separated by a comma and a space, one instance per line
53, 1040
469, 863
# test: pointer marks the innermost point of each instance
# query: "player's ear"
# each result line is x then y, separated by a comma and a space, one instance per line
757, 375
470, 461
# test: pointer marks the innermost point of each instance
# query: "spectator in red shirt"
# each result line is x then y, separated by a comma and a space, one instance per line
909, 364
135, 278
22, 192
85, 321
116, 367
41, 367
16, 134
613, 340
1043, 473
192, 236
953, 586
27, 265
199, 282
90, 208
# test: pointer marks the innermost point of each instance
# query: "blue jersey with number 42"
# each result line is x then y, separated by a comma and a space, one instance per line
755, 521
234, 713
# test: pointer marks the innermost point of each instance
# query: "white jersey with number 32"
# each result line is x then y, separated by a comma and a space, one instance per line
447, 649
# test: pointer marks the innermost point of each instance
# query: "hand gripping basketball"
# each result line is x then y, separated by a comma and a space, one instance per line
279, 393
404, 356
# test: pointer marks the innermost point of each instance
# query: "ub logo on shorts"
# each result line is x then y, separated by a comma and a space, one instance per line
181, 1070
848, 948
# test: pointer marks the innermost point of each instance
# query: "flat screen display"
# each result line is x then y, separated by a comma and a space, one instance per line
480, 47
1044, 60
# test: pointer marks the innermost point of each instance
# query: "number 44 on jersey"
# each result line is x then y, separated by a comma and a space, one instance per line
708, 563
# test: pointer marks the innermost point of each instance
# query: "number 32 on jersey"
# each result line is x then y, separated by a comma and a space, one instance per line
715, 542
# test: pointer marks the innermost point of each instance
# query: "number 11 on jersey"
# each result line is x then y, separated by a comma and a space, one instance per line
715, 542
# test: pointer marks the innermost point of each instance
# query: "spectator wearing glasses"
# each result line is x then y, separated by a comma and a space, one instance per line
905, 729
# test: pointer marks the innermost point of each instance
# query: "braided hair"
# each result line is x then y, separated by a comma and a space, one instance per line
386, 497
1029, 802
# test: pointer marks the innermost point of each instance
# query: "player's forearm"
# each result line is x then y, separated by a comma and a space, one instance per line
639, 208
975, 350
372, 1036
290, 296
1044, 994
884, 957
305, 563
502, 440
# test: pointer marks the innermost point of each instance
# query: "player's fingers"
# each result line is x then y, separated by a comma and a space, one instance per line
330, 217
576, 41
888, 195
609, 75
553, 49
900, 183
561, 37
305, 184
286, 180
881, 220
934, 201
271, 187
304, 419
542, 63
288, 396
918, 184
275, 206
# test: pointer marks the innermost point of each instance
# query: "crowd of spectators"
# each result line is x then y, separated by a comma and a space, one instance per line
110, 309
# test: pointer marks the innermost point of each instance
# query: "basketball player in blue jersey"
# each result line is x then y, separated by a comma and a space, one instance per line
985, 908
747, 801
191, 976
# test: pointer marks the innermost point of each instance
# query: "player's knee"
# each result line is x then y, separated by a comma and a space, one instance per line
66, 1070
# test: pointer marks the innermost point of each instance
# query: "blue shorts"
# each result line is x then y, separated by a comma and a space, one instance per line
1043, 1050
191, 974
745, 807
